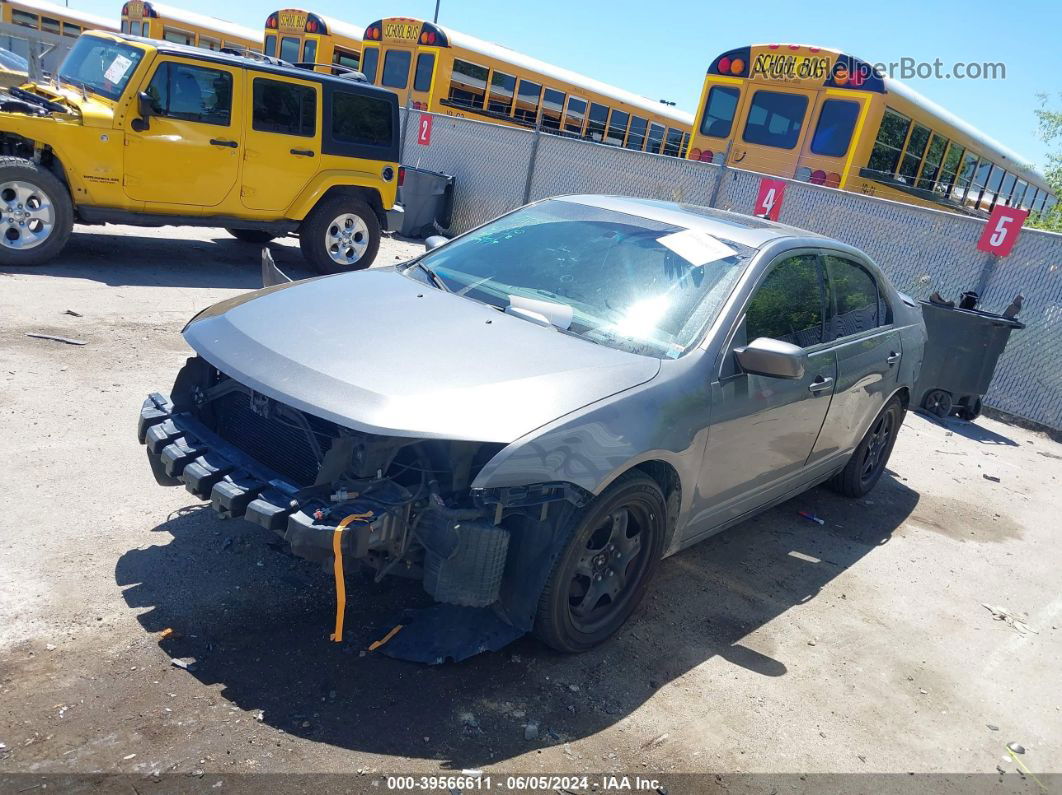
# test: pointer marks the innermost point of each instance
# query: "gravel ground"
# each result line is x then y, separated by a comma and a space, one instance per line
860, 646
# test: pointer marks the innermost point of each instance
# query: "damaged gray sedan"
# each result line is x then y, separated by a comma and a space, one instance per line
530, 416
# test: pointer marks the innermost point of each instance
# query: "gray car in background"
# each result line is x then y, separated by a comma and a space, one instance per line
530, 416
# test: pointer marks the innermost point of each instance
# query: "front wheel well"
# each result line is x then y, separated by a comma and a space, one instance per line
667, 478
370, 196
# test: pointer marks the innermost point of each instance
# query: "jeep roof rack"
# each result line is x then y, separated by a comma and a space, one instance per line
338, 70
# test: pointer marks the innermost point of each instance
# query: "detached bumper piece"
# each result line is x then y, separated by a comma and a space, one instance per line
184, 450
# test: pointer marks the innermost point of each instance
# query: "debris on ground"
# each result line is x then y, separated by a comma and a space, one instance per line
993, 478
72, 313
812, 517
1010, 619
55, 338
656, 741
1017, 748
531, 731
185, 663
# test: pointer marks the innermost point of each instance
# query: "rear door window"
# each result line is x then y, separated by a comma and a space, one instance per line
775, 119
836, 124
856, 304
287, 108
396, 68
425, 68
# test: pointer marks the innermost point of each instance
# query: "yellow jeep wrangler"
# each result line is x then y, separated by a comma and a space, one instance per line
144, 132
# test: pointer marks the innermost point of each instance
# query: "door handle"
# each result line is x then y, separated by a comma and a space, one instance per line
303, 152
819, 384
893, 358
223, 142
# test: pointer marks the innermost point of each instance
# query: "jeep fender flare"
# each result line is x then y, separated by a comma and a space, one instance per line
331, 183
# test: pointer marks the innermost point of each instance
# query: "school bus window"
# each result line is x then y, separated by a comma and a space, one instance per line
1018, 199
370, 57
271, 45
425, 67
636, 137
934, 155
965, 176
656, 137
527, 101
889, 144
50, 25
309, 51
949, 169
192, 93
209, 44
22, 18
719, 111
912, 157
684, 145
673, 143
595, 128
988, 195
289, 49
977, 186
396, 68
352, 60
833, 133
775, 119
73, 31
1006, 188
286, 108
1037, 203
125, 26
617, 127
575, 115
552, 104
468, 84
502, 93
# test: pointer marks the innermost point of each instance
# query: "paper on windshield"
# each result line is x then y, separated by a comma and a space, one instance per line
697, 248
116, 71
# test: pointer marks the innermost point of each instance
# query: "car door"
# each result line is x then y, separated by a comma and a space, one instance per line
281, 152
189, 152
867, 345
764, 429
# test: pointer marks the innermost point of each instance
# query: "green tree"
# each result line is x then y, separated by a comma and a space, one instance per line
1049, 123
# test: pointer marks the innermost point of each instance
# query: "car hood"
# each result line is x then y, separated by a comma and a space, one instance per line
379, 352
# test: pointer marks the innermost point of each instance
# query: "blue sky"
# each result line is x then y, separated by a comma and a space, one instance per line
661, 50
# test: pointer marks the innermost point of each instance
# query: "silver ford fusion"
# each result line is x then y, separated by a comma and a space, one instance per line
529, 417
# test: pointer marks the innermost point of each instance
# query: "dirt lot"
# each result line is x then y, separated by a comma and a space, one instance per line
859, 646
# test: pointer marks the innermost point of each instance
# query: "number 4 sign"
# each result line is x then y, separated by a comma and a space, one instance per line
769, 200
424, 130
1001, 232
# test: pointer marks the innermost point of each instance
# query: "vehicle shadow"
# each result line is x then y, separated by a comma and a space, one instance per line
146, 257
257, 623
969, 430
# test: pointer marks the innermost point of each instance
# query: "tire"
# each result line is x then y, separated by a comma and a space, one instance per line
868, 461
328, 222
256, 236
585, 565
938, 402
27, 191
970, 410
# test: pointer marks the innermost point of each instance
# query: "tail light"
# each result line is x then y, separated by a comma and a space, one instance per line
706, 156
803, 174
695, 153
271, 22
311, 26
818, 177
833, 179
724, 64
401, 175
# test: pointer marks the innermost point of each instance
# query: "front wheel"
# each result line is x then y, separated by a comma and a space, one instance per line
603, 573
36, 214
868, 462
340, 234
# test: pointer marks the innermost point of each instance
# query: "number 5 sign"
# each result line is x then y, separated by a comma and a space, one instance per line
769, 200
424, 130
1001, 232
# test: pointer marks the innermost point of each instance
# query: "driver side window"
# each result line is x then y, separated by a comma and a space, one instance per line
192, 93
788, 305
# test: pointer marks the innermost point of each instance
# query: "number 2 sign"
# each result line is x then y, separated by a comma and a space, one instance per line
769, 200
424, 130
1001, 232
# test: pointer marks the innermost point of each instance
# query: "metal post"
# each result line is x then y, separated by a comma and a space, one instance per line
986, 275
33, 52
722, 173
436, 19
532, 159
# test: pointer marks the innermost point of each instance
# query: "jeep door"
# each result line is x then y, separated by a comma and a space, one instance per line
282, 150
764, 429
190, 152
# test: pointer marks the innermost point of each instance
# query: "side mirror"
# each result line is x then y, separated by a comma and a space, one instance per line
434, 242
772, 358
145, 110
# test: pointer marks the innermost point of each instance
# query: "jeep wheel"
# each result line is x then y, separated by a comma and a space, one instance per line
257, 236
602, 575
36, 215
340, 234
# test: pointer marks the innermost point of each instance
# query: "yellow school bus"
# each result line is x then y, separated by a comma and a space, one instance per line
52, 18
166, 23
821, 116
298, 36
441, 70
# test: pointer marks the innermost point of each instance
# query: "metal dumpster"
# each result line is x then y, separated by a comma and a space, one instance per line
428, 199
962, 349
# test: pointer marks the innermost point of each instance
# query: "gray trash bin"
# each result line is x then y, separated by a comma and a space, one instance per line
962, 349
428, 199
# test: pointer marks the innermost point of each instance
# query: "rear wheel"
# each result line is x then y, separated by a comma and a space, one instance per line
971, 409
340, 234
36, 214
251, 235
938, 402
867, 463
603, 573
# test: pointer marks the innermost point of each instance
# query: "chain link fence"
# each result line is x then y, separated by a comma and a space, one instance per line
922, 250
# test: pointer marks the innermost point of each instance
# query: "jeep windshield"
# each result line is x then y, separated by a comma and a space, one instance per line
616, 279
100, 66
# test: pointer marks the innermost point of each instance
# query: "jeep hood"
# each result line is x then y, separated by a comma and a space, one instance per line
379, 352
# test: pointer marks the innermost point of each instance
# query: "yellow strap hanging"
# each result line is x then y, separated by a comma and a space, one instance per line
378, 643
337, 569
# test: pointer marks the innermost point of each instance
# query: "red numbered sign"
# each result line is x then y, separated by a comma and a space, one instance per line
1001, 232
424, 130
769, 202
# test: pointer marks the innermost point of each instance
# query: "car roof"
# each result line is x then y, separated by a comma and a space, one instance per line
260, 63
745, 229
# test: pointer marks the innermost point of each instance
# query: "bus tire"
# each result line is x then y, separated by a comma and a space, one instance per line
36, 214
